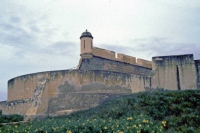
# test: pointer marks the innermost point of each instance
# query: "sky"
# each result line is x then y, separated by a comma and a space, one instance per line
44, 35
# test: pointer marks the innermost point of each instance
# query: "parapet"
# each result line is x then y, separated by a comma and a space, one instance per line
107, 54
126, 58
144, 63
103, 53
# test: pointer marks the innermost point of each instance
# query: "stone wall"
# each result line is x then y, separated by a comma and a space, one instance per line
197, 63
126, 58
16, 106
68, 90
103, 53
144, 63
98, 63
174, 72
1, 105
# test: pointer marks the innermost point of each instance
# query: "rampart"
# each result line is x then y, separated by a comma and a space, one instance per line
126, 58
144, 63
107, 54
174, 72
98, 63
68, 90
103, 53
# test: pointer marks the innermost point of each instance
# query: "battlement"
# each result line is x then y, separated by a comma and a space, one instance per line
126, 58
107, 54
103, 53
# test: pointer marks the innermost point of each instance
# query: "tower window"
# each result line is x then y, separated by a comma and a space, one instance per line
84, 44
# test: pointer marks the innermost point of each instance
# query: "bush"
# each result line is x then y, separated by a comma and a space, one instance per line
11, 118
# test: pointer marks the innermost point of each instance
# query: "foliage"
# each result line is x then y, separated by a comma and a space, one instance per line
144, 112
10, 118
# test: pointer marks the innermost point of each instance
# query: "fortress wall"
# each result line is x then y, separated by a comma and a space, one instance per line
16, 106
174, 72
23, 89
69, 90
98, 63
126, 58
197, 64
103, 53
107, 54
1, 105
144, 63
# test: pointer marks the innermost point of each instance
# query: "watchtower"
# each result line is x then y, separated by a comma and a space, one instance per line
86, 44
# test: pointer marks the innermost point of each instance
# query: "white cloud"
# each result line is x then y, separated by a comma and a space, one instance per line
3, 96
7, 52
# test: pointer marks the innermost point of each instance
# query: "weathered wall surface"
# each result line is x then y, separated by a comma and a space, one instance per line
197, 64
69, 90
98, 63
174, 72
1, 104
16, 106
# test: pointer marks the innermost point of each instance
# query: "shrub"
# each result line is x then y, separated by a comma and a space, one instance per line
11, 118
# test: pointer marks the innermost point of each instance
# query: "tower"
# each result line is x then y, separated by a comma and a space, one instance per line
86, 44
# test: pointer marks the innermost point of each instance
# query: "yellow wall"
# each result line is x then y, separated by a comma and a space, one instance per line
46, 85
86, 45
173, 71
103, 53
126, 58
144, 63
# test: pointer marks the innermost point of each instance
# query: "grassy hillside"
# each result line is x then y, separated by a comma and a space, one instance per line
144, 112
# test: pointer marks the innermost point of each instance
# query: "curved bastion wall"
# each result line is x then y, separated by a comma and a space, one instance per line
68, 90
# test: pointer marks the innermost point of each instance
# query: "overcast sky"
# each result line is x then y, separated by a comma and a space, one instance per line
43, 35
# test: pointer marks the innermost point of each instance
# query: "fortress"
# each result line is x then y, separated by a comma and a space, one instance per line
100, 75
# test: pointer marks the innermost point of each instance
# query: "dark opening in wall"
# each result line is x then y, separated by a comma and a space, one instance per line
177, 78
197, 64
84, 44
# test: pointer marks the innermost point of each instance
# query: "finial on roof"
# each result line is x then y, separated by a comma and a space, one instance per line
86, 30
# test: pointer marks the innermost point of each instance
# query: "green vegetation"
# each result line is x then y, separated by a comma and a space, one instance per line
144, 112
10, 118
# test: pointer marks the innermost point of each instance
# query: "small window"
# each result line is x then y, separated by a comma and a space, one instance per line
84, 44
